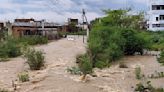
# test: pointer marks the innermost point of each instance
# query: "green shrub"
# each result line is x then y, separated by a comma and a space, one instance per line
101, 64
23, 77
9, 49
147, 88
106, 45
134, 43
144, 88
35, 59
157, 75
138, 73
161, 58
84, 64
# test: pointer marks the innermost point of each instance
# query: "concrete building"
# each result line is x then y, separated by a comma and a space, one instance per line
23, 27
156, 15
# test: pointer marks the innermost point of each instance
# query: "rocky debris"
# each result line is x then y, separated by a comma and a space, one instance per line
107, 88
108, 72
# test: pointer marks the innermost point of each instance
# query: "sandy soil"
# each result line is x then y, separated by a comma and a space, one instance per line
60, 55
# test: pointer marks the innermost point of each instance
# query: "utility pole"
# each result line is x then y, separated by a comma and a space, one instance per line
85, 22
43, 31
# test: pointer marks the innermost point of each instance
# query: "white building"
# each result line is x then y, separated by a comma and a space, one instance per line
156, 15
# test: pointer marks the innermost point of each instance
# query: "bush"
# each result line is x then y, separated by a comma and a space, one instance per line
156, 75
147, 88
23, 77
35, 59
101, 64
105, 45
161, 58
9, 48
133, 43
84, 64
138, 73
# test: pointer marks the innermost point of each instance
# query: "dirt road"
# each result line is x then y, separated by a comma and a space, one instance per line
60, 55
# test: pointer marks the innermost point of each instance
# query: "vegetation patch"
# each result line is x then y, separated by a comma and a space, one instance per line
84, 64
74, 70
161, 58
138, 73
9, 49
35, 59
147, 88
33, 40
23, 77
156, 75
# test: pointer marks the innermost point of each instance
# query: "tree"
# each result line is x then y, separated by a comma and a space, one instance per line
113, 36
121, 18
3, 33
72, 27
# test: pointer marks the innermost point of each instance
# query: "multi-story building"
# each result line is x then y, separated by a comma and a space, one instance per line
156, 15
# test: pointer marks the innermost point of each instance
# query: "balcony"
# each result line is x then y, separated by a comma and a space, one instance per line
160, 12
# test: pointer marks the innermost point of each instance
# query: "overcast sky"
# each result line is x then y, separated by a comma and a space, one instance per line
60, 10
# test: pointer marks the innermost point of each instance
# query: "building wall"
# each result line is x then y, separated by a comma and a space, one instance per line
156, 9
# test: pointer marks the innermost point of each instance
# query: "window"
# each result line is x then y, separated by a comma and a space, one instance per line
153, 7
157, 19
162, 7
161, 17
157, 7
157, 25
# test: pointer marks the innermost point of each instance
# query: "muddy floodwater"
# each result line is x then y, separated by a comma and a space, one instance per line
60, 55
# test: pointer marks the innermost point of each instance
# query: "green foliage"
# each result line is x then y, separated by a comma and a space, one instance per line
114, 36
161, 58
74, 70
35, 59
105, 45
23, 77
33, 40
156, 75
147, 88
142, 88
101, 64
138, 73
84, 64
3, 33
72, 27
154, 40
121, 18
134, 43
9, 48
